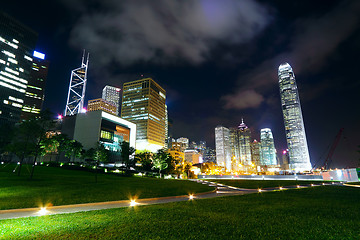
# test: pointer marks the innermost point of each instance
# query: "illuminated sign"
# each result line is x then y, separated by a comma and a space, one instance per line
39, 55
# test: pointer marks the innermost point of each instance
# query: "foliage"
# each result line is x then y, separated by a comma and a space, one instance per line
171, 165
29, 136
97, 155
6, 136
73, 149
186, 170
126, 154
160, 160
145, 159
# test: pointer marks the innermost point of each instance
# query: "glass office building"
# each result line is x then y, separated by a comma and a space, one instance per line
143, 103
17, 44
223, 148
35, 92
112, 95
293, 120
267, 149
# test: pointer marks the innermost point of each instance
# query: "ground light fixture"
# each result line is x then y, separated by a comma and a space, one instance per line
259, 190
191, 197
133, 203
43, 211
280, 188
298, 186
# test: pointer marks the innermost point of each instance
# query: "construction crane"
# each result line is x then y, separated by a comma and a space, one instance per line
328, 158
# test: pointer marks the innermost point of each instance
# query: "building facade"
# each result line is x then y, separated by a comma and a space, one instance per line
293, 120
267, 149
17, 44
255, 152
112, 95
35, 92
143, 103
99, 126
244, 136
101, 104
223, 149
193, 156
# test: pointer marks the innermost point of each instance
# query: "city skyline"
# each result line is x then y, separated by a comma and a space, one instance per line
221, 77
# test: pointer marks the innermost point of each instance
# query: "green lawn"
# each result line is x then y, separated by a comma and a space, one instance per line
254, 184
329, 212
61, 186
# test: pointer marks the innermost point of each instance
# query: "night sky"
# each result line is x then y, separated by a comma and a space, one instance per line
217, 60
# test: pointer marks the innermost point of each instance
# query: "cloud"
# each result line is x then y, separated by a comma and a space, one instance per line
160, 31
313, 41
243, 100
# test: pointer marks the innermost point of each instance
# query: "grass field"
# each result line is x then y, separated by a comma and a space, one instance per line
61, 186
327, 212
255, 184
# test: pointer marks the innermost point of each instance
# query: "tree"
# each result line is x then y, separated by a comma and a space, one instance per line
186, 169
6, 136
73, 149
26, 140
172, 162
99, 154
145, 159
44, 123
160, 160
127, 155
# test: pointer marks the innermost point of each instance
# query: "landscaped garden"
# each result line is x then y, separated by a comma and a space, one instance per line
57, 186
325, 212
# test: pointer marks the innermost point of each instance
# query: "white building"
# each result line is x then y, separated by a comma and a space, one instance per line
223, 149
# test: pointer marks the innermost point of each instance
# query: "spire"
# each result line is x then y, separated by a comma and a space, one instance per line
242, 125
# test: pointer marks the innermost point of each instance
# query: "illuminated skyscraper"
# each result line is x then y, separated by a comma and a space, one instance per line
267, 148
77, 87
293, 120
223, 149
101, 104
35, 92
255, 152
143, 103
244, 136
112, 95
17, 44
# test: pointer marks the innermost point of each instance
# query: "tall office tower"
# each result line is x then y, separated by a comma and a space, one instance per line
235, 151
293, 120
101, 104
77, 87
223, 149
112, 95
267, 148
35, 92
143, 103
17, 44
244, 135
255, 152
166, 127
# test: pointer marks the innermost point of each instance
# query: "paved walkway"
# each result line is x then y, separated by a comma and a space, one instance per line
221, 190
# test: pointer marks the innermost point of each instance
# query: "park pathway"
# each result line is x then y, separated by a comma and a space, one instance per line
220, 190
